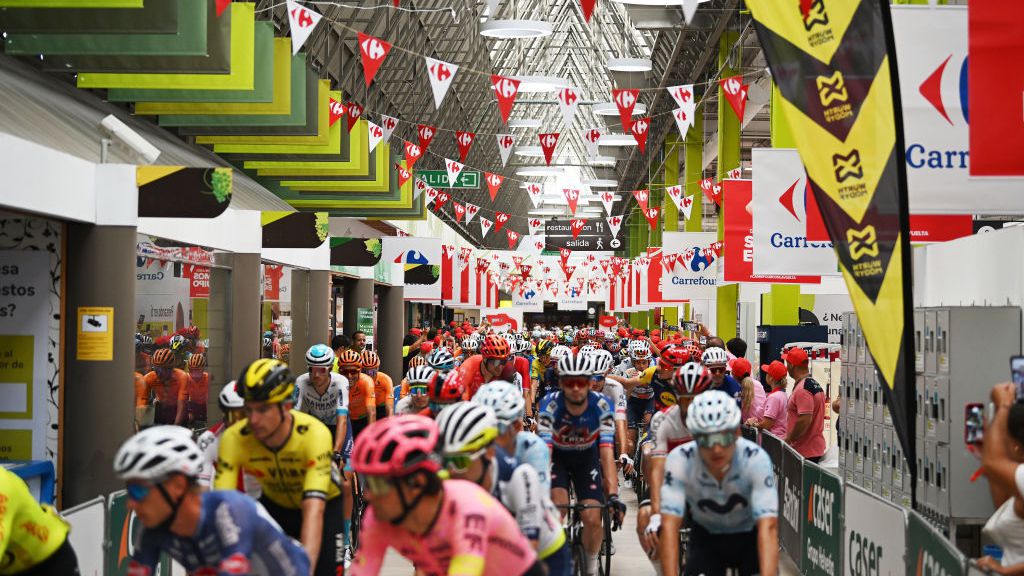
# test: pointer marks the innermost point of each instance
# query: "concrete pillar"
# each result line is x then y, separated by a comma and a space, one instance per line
246, 332
358, 294
301, 337
99, 404
391, 329
320, 328
728, 158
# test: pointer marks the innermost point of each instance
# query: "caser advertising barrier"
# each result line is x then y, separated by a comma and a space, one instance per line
874, 534
821, 522
931, 45
928, 552
779, 204
694, 270
790, 510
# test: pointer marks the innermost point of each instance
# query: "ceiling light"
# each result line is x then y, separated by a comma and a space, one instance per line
601, 183
540, 83
540, 171
524, 123
602, 161
508, 29
610, 109
617, 140
529, 151
630, 64
546, 212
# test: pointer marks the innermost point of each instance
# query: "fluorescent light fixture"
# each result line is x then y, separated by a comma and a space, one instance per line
601, 183
546, 212
540, 171
602, 161
524, 123
510, 29
630, 64
610, 109
617, 140
531, 84
529, 151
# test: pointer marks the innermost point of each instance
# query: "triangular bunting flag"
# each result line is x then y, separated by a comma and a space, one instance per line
686, 206
641, 197
431, 195
419, 187
336, 110
684, 120
403, 175
639, 130
513, 237
505, 89
716, 193
388, 124
374, 135
441, 75
412, 154
706, 186
614, 222
373, 50
625, 100
568, 100
459, 210
454, 169
485, 226
568, 271
689, 9
355, 112
302, 21
500, 219
590, 139
525, 270
734, 174
517, 260
505, 144
535, 192
440, 200
464, 140
588, 8
652, 216
576, 225
564, 253
426, 134
607, 199
548, 142
536, 225
683, 95
471, 210
735, 93
221, 6
493, 183
572, 196
676, 194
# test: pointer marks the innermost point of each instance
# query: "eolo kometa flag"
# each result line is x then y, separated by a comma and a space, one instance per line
833, 61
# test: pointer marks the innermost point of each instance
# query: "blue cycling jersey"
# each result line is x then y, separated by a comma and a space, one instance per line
235, 536
531, 450
745, 495
731, 387
560, 429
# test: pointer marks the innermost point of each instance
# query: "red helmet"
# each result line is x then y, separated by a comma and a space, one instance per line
397, 447
673, 357
495, 347
448, 390
192, 332
691, 379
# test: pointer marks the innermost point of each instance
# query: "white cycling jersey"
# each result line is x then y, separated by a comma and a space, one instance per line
518, 487
209, 444
531, 450
405, 406
617, 396
668, 431
324, 407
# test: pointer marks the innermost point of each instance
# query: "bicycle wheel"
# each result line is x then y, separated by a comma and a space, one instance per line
579, 554
358, 508
684, 540
606, 547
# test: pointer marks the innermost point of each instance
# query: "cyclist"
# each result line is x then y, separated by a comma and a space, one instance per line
496, 363
362, 404
233, 408
549, 378
167, 386
637, 382
291, 453
324, 395
509, 408
452, 527
418, 382
668, 430
578, 425
198, 390
442, 392
716, 361
727, 485
33, 537
469, 451
442, 361
383, 386
221, 532
470, 346
617, 396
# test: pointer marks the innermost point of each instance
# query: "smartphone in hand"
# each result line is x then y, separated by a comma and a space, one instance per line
1017, 375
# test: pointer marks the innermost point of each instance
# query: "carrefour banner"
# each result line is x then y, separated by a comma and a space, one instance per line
690, 266
419, 259
833, 67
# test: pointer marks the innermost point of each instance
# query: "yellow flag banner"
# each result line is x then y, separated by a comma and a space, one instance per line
834, 64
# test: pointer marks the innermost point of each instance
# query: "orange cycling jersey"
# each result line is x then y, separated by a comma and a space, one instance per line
199, 390
383, 389
165, 392
361, 397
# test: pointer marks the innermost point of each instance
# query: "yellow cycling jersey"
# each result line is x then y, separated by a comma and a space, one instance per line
302, 468
30, 532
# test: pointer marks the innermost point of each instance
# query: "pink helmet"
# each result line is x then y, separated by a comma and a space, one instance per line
398, 446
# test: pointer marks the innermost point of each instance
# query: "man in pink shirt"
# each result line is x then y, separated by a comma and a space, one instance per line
773, 417
805, 414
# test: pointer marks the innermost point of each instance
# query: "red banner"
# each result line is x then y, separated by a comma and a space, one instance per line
272, 281
940, 227
198, 281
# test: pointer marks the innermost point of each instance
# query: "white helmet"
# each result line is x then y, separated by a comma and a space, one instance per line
421, 374
229, 398
713, 411
578, 365
506, 401
466, 427
158, 452
714, 356
510, 338
639, 350
602, 360
587, 349
320, 355
522, 347
470, 344
559, 351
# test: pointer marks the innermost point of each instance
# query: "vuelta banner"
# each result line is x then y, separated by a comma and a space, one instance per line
738, 261
833, 65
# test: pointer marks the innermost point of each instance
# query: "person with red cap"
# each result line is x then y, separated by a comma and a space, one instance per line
752, 395
805, 413
773, 417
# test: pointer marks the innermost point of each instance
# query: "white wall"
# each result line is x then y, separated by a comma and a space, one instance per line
237, 231
984, 269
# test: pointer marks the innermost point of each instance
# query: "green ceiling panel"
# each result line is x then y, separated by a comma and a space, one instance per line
332, 146
156, 17
240, 77
190, 39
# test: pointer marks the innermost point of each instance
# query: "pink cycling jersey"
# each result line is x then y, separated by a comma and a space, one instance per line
474, 536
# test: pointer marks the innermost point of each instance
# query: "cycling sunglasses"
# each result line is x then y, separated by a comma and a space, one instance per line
716, 369
377, 485
137, 492
354, 373
575, 382
417, 391
461, 462
723, 439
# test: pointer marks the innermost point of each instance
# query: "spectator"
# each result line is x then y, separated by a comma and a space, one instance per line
411, 347
752, 397
358, 341
1001, 457
717, 342
805, 413
773, 418
737, 347
340, 343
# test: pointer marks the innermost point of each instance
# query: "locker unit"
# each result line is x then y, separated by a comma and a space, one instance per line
918, 341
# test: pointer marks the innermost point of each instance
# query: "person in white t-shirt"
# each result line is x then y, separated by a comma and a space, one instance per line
1003, 464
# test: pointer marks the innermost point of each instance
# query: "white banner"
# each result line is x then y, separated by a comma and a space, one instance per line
829, 309
531, 299
572, 296
780, 218
694, 270
873, 529
931, 45
419, 259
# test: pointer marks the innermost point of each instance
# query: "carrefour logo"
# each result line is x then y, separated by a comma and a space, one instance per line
945, 89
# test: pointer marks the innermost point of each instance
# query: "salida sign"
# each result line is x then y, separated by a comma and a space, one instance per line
595, 236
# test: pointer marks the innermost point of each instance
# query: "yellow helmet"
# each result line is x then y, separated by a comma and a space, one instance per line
266, 380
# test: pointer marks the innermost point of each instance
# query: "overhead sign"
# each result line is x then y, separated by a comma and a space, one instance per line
439, 179
594, 236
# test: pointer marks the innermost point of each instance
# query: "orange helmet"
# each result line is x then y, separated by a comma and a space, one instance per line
417, 361
350, 358
163, 358
370, 360
197, 362
495, 347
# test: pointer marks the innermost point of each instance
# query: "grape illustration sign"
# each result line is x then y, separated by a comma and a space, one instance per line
419, 260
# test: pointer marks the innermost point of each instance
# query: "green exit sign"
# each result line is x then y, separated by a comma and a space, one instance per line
439, 179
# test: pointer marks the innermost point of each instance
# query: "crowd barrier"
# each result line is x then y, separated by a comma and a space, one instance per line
825, 524
38, 475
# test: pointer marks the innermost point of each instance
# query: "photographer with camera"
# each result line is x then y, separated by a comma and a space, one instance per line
1002, 459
